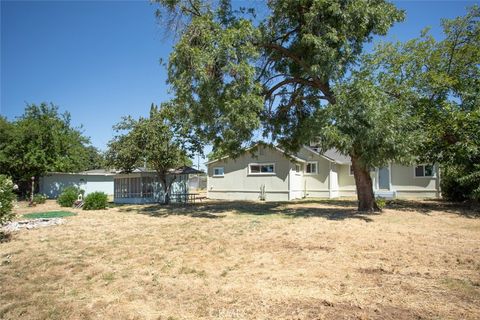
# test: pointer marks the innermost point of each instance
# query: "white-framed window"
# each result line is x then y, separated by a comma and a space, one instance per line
298, 168
424, 170
218, 172
311, 167
261, 168
350, 172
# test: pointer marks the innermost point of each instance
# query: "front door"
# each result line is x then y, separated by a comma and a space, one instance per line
384, 178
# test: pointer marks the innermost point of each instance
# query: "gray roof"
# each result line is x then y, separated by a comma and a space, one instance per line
186, 170
334, 154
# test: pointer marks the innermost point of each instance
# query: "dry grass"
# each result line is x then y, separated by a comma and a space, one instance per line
307, 260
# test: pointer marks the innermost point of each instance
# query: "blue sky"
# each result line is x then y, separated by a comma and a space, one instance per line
100, 59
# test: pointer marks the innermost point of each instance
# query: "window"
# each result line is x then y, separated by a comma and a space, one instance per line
311, 167
261, 168
424, 170
351, 170
298, 168
218, 172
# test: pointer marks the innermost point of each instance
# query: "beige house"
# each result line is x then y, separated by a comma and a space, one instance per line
268, 174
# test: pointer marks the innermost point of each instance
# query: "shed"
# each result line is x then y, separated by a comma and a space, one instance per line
53, 183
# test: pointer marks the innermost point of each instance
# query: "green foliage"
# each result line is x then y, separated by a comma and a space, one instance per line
442, 79
235, 75
381, 203
153, 140
299, 75
95, 201
7, 198
43, 140
49, 214
68, 196
39, 198
459, 185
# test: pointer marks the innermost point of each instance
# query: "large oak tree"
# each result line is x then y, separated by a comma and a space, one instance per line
297, 75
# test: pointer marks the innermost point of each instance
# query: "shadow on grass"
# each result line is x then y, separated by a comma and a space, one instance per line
467, 209
334, 210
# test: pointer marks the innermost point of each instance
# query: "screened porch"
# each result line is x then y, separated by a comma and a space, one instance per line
145, 187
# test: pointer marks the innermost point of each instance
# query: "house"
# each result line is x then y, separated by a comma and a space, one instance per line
53, 183
143, 186
265, 172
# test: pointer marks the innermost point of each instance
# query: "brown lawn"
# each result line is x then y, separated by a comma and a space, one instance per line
305, 260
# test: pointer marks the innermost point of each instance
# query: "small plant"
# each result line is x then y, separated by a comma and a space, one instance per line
68, 196
95, 201
7, 198
39, 198
381, 203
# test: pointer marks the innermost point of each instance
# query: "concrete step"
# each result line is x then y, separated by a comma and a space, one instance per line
385, 194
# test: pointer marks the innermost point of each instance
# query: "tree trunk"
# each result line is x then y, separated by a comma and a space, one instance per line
162, 176
166, 186
363, 182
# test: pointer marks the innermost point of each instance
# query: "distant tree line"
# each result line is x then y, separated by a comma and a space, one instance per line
43, 140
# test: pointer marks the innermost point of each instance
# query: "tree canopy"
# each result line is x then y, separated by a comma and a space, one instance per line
287, 75
149, 140
442, 78
43, 140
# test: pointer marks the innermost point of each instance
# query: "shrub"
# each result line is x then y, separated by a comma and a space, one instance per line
95, 201
7, 198
68, 196
460, 184
381, 203
39, 198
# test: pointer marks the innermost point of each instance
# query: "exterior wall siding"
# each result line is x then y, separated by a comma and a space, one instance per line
331, 180
407, 185
238, 184
52, 185
316, 185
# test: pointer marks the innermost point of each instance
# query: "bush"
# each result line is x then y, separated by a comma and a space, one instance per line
381, 203
7, 198
39, 198
95, 201
68, 196
460, 184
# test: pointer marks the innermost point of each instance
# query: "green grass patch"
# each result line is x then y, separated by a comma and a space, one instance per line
49, 214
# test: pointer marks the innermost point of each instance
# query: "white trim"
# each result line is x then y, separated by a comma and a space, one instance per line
299, 172
218, 175
249, 171
247, 191
390, 177
316, 168
434, 175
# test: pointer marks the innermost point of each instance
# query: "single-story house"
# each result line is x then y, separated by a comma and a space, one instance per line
143, 186
53, 183
269, 174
